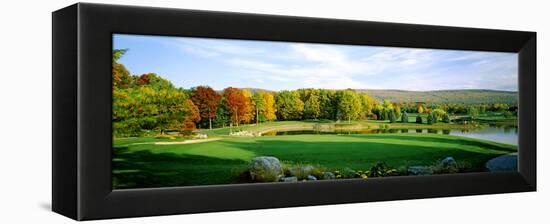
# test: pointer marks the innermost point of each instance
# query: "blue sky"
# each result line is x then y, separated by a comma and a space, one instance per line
221, 63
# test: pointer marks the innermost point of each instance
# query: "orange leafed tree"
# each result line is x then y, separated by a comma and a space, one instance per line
236, 103
192, 117
206, 99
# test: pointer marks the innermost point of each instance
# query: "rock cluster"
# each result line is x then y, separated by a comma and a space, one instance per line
419, 170
244, 134
201, 136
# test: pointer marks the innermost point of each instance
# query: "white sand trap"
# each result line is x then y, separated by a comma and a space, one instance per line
188, 141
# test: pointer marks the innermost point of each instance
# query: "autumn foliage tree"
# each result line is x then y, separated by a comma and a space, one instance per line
192, 117
269, 107
289, 105
121, 76
248, 107
350, 105
236, 103
420, 109
206, 100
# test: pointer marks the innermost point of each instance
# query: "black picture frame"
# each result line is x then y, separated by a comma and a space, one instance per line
82, 139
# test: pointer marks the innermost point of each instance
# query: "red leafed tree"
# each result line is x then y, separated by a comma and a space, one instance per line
236, 103
143, 79
206, 99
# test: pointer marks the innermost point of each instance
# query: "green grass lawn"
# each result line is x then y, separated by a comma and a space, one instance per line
139, 163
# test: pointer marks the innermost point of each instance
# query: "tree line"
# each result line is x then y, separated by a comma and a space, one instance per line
150, 102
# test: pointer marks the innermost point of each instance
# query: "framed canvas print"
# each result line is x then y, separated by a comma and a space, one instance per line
194, 111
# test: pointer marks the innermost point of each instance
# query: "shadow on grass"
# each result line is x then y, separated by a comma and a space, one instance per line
144, 169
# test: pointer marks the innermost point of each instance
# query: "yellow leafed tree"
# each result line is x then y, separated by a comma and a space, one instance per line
248, 112
269, 111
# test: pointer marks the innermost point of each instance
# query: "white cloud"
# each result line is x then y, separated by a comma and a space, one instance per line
213, 47
312, 65
339, 67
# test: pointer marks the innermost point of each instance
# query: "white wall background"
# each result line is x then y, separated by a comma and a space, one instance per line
25, 112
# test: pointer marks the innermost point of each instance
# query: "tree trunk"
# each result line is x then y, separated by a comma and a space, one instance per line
257, 118
210, 122
237, 117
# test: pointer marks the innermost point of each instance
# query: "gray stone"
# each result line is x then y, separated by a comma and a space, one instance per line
265, 169
449, 161
508, 162
311, 177
419, 170
289, 179
329, 176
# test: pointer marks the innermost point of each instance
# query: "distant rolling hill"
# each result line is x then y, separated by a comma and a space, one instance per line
469, 96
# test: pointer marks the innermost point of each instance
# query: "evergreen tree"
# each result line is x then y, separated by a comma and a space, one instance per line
384, 115
418, 119
430, 119
404, 118
393, 118
397, 110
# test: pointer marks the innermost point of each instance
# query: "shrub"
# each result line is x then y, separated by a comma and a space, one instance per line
457, 167
287, 172
244, 177
303, 170
419, 119
348, 173
380, 169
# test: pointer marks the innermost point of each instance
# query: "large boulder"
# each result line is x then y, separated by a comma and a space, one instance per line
419, 170
265, 169
508, 162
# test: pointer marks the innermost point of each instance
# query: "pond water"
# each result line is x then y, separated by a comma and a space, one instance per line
492, 132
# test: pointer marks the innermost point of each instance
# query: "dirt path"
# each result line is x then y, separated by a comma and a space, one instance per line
188, 141
508, 162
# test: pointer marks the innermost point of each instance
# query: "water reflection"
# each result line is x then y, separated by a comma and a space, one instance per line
492, 132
